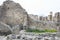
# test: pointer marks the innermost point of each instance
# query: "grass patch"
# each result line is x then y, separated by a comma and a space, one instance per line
40, 31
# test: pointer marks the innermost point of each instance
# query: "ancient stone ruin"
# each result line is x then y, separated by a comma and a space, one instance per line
13, 18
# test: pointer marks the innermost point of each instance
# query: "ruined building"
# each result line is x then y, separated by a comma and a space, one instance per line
13, 18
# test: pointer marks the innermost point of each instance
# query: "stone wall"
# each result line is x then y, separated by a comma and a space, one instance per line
12, 14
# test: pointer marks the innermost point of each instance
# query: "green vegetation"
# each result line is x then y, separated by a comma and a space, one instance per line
40, 31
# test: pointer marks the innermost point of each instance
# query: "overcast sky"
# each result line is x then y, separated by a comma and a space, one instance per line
39, 7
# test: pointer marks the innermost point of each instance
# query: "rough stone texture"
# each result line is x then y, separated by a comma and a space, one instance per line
12, 13
4, 27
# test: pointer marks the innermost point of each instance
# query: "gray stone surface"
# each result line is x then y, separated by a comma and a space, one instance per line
4, 27
13, 14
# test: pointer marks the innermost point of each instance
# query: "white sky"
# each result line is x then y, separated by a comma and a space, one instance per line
39, 7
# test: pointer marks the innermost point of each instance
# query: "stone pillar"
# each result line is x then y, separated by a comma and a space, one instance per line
50, 17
